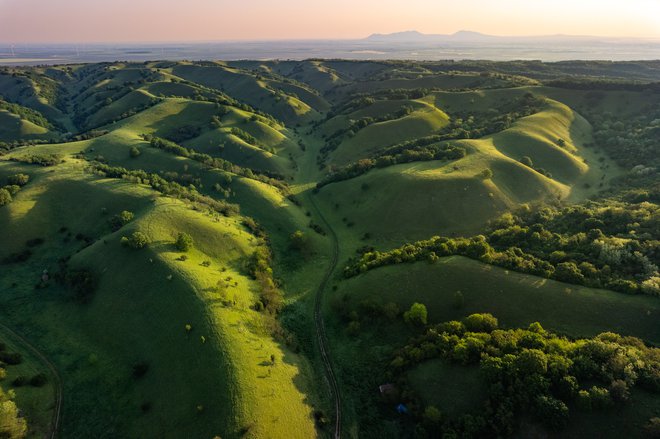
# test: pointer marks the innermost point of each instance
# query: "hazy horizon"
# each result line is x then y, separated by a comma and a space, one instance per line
153, 21
319, 39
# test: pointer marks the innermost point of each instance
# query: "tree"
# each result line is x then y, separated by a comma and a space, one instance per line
135, 152
532, 361
136, 240
569, 272
552, 412
416, 315
5, 197
432, 416
298, 241
525, 160
12, 426
458, 301
184, 242
486, 174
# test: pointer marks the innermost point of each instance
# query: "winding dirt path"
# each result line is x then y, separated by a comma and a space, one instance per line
318, 317
55, 422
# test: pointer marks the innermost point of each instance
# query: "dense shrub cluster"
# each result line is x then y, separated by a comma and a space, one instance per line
419, 150
39, 159
185, 132
167, 187
527, 372
14, 185
28, 114
82, 282
259, 267
245, 136
630, 141
606, 245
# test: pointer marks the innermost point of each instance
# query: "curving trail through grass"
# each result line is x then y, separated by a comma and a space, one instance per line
55, 422
318, 317
307, 175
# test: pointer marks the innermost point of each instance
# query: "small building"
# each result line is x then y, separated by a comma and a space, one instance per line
389, 392
387, 389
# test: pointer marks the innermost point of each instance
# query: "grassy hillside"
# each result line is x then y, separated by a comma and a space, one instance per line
235, 397
281, 173
12, 127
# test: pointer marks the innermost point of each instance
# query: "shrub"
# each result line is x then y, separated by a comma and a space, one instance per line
184, 242
619, 391
19, 381
140, 369
13, 189
12, 358
600, 397
40, 159
5, 197
18, 179
652, 428
39, 380
121, 219
82, 282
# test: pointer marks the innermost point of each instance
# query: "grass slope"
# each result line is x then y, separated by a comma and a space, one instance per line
118, 328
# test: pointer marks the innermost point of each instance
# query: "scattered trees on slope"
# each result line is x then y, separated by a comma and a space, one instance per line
588, 245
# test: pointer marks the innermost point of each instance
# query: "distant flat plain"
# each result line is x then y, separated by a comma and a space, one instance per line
548, 49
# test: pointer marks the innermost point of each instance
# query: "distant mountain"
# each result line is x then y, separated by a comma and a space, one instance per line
418, 37
466, 35
406, 36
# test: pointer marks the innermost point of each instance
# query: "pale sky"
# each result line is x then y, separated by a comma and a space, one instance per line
28, 21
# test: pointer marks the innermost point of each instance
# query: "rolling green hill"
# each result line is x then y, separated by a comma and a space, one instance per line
174, 237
